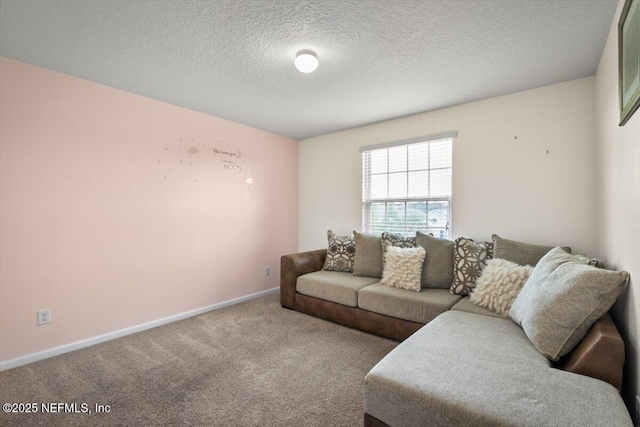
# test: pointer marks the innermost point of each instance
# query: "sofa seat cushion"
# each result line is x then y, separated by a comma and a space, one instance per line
421, 307
465, 369
467, 306
334, 286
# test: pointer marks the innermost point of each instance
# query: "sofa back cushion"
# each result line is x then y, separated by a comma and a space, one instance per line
519, 252
437, 271
563, 297
368, 259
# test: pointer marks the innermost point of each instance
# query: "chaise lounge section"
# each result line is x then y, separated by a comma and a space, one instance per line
467, 369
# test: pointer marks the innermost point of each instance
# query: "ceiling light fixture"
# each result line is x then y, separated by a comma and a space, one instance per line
306, 61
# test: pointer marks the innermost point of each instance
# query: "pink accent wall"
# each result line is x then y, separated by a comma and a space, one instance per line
116, 209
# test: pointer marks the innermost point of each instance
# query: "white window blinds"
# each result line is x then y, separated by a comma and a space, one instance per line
406, 186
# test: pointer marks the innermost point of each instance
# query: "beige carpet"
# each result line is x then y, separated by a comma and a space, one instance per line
254, 363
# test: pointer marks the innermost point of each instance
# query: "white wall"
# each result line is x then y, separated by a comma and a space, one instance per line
618, 201
538, 188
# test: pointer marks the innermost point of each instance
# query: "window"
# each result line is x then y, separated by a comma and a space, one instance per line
406, 186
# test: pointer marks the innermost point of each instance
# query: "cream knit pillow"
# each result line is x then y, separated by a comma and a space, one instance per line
403, 268
499, 285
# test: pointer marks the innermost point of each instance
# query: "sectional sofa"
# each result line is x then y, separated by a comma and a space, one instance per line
468, 365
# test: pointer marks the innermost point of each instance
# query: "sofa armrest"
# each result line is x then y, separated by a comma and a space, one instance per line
600, 354
294, 265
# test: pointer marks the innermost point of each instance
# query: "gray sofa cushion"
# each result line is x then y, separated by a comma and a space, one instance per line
419, 307
463, 369
334, 286
467, 306
518, 252
368, 259
437, 271
562, 299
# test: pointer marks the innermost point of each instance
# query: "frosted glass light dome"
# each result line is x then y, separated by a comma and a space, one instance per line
306, 61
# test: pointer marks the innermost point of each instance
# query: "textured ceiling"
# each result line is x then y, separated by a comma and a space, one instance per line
379, 59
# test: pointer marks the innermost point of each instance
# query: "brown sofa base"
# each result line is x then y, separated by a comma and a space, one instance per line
599, 355
354, 317
602, 346
327, 310
370, 421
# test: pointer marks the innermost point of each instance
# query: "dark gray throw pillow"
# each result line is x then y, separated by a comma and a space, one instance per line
368, 259
519, 252
437, 271
469, 258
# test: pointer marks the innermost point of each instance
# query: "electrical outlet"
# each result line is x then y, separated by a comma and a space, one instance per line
267, 271
44, 316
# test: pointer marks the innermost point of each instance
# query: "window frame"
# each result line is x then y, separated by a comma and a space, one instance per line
367, 201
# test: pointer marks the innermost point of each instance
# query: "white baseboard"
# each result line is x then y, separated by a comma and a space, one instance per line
55, 351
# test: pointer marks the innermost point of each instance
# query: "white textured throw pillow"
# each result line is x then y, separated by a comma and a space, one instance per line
499, 285
403, 268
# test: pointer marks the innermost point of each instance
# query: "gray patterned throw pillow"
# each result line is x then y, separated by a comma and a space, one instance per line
340, 253
397, 241
594, 262
469, 258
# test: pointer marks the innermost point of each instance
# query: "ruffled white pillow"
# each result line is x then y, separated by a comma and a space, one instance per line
403, 268
499, 285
